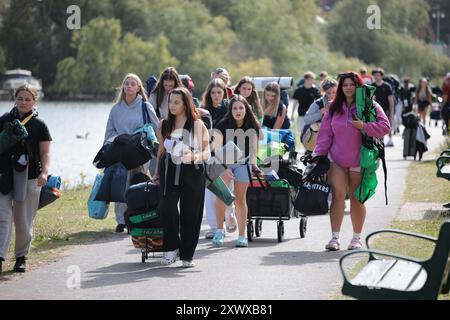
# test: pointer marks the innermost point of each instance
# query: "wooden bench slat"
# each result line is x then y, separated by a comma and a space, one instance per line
404, 276
418, 283
372, 272
445, 169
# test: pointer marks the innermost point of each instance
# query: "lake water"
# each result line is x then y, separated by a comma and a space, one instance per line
71, 158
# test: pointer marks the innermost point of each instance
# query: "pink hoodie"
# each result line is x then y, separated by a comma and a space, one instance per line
338, 137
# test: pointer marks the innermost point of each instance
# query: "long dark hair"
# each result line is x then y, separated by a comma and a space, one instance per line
253, 99
206, 99
250, 121
168, 124
336, 105
169, 73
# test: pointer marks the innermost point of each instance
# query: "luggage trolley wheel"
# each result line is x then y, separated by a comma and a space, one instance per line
303, 223
258, 227
143, 252
280, 229
250, 230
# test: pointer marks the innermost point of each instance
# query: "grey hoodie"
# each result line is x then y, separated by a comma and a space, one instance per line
127, 119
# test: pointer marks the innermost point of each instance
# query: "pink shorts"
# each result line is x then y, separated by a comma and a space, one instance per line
353, 169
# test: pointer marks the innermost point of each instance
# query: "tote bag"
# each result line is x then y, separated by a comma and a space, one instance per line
97, 209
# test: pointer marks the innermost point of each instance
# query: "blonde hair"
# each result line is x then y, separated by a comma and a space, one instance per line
271, 109
28, 88
142, 91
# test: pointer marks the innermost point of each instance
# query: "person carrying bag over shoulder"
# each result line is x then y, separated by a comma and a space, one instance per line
340, 139
183, 147
125, 118
24, 168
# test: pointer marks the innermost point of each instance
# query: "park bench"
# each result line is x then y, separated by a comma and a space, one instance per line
400, 277
443, 167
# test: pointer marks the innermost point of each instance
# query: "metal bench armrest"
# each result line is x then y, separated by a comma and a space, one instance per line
378, 252
411, 234
440, 161
445, 153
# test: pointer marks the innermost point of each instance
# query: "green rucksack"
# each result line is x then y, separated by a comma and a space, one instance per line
372, 149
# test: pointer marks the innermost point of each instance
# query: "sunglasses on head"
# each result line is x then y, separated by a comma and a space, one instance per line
219, 70
346, 75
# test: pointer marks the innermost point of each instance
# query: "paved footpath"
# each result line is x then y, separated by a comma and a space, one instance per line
294, 269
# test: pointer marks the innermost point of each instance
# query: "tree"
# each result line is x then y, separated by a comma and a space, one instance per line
94, 70
104, 57
393, 47
199, 41
144, 58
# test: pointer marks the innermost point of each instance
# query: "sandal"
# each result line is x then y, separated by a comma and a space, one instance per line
218, 239
242, 242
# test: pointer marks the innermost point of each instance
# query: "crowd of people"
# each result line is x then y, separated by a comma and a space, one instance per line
324, 117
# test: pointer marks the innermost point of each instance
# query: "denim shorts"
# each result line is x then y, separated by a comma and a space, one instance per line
240, 172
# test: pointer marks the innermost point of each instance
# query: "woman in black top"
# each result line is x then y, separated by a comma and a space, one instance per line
26, 163
183, 146
240, 126
275, 112
215, 100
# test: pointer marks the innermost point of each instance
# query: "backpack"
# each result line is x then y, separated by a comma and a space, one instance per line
150, 84
284, 98
394, 83
309, 133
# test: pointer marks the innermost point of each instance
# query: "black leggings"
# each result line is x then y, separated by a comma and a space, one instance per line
182, 228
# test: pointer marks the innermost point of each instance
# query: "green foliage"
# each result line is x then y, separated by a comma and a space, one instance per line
192, 31
264, 34
393, 47
94, 70
144, 58
104, 58
255, 68
251, 37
